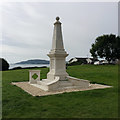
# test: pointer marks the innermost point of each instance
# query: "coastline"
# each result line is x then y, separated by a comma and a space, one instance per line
27, 65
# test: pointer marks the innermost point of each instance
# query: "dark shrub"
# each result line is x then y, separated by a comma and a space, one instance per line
3, 64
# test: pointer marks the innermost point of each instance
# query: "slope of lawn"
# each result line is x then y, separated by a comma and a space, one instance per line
100, 103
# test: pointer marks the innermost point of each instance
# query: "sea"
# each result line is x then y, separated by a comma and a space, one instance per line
27, 65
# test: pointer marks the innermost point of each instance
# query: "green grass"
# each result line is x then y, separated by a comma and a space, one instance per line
100, 103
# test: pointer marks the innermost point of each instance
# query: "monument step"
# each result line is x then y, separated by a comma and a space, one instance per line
71, 87
43, 87
65, 83
47, 82
44, 83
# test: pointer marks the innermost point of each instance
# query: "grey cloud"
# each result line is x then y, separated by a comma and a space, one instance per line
28, 27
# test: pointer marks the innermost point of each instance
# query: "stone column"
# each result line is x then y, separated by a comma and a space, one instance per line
57, 54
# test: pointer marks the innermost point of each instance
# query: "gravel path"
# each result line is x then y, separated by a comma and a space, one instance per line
35, 91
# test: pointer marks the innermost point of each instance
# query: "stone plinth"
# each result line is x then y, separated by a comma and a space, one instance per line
57, 84
34, 76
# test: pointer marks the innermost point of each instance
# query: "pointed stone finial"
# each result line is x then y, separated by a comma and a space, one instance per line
57, 20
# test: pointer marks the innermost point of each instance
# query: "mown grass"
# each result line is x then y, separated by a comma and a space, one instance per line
100, 103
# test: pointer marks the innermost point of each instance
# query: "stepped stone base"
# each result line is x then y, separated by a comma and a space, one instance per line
57, 84
36, 91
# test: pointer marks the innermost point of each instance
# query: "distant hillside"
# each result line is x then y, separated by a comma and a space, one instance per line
34, 61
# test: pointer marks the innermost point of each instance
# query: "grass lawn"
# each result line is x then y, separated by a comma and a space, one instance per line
100, 103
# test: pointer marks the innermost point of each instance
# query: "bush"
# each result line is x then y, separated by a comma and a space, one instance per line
3, 64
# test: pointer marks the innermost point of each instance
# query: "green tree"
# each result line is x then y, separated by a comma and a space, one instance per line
3, 64
106, 46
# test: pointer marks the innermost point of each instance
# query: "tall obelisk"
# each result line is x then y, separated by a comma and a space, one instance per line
57, 54
58, 78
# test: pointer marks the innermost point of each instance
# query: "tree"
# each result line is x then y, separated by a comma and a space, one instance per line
3, 64
106, 46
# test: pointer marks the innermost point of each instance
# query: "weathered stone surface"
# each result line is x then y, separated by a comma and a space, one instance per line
36, 91
57, 77
57, 54
34, 76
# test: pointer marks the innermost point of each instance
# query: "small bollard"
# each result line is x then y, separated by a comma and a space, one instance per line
34, 76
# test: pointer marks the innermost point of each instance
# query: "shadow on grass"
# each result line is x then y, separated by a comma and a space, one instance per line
98, 83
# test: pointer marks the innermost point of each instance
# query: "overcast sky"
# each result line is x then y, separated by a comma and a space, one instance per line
27, 28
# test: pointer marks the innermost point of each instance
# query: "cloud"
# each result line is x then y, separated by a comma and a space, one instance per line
28, 27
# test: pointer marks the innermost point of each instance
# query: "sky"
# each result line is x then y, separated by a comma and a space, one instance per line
27, 27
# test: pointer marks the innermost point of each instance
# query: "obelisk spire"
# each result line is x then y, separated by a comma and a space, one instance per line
57, 54
57, 42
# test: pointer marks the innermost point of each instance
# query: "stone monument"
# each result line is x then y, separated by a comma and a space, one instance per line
57, 77
57, 54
